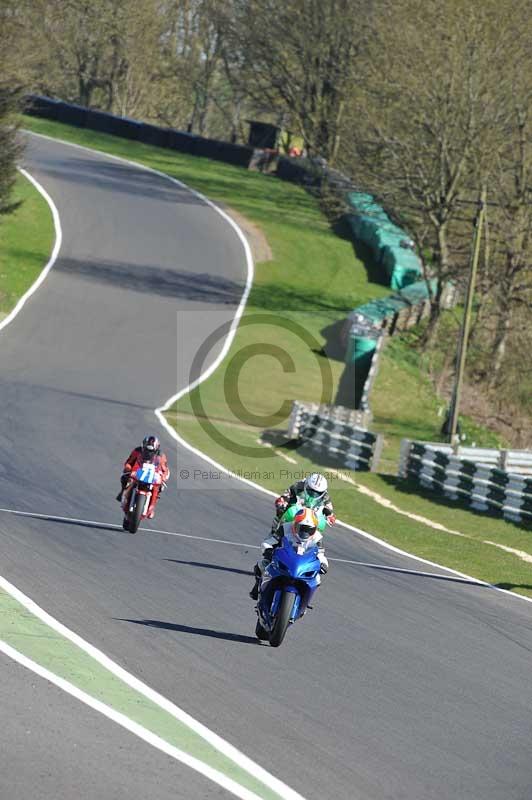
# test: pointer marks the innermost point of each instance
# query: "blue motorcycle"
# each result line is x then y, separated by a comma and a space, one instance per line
287, 587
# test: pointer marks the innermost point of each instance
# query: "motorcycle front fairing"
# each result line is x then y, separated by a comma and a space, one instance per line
144, 479
295, 567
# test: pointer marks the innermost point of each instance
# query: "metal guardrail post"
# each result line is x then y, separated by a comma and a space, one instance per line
377, 452
503, 460
403, 457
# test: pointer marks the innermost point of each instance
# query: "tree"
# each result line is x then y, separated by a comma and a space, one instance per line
10, 97
423, 121
97, 53
297, 61
510, 291
193, 60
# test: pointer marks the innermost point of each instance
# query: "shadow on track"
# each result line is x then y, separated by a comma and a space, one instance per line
247, 572
40, 387
172, 626
416, 573
117, 178
81, 523
150, 279
509, 587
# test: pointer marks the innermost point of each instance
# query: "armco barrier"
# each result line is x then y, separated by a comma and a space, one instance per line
47, 107
333, 437
474, 476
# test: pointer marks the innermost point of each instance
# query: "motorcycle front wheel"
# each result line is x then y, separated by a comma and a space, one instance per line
136, 515
282, 620
260, 632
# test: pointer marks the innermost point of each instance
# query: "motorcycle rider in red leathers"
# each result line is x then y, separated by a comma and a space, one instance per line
149, 451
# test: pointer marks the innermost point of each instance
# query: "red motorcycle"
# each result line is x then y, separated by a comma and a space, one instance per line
137, 495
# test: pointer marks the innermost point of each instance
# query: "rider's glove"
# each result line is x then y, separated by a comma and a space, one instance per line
281, 505
331, 519
164, 485
268, 554
323, 569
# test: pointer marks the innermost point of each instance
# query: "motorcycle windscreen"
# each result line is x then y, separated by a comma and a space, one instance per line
146, 473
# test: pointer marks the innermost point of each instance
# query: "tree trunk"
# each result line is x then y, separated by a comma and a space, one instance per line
85, 92
433, 324
498, 349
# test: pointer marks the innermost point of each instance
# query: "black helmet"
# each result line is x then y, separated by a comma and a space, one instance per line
150, 447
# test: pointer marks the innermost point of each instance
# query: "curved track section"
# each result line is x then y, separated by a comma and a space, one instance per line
396, 685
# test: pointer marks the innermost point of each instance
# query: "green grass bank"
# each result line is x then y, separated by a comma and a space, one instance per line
26, 241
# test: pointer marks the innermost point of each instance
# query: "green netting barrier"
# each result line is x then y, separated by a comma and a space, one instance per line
377, 311
361, 346
368, 321
360, 349
402, 266
392, 249
390, 244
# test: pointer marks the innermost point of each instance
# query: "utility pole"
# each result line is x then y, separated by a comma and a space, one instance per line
466, 323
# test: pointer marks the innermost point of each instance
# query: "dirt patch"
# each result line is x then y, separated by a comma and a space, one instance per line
511, 422
257, 240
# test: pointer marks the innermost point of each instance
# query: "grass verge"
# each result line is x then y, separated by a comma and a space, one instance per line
312, 281
26, 240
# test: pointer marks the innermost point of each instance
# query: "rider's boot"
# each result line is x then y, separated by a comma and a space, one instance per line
254, 593
124, 480
274, 531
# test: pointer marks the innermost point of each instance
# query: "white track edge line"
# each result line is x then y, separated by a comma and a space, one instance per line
231, 752
244, 545
133, 727
135, 683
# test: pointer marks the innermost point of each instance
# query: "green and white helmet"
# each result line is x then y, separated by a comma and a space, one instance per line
315, 489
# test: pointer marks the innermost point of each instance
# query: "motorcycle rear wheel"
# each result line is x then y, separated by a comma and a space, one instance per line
282, 621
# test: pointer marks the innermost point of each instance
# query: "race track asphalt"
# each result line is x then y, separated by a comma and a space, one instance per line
396, 686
